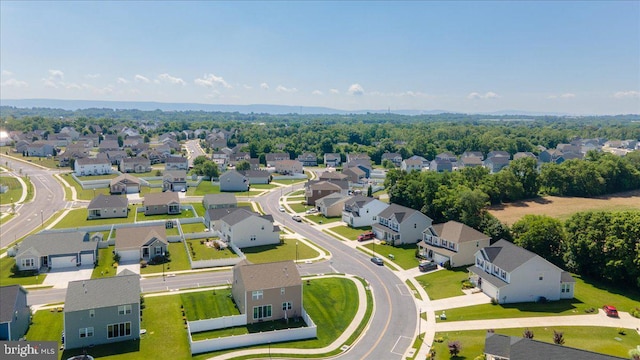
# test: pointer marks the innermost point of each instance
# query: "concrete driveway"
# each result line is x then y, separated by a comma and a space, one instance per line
60, 278
134, 267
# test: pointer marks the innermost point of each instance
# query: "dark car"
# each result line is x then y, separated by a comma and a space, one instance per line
610, 310
378, 261
427, 266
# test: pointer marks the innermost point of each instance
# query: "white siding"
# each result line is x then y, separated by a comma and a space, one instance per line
241, 232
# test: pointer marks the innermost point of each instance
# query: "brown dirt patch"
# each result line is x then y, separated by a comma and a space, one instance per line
563, 207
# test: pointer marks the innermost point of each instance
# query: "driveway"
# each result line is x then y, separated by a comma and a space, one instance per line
60, 278
134, 267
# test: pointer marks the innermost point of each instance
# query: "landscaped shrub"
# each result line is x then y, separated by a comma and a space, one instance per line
622, 331
635, 312
447, 265
454, 348
143, 263
590, 310
527, 334
558, 337
466, 284
494, 301
439, 339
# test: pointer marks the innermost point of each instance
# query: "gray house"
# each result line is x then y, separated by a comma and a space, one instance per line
400, 225
15, 314
56, 251
217, 201
257, 176
107, 207
102, 311
175, 180
232, 180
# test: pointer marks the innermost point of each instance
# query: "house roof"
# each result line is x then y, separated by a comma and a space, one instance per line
8, 296
136, 237
331, 199
231, 174
125, 178
565, 277
176, 159
162, 198
217, 214
398, 211
506, 255
220, 199
239, 215
53, 243
256, 173
333, 175
108, 201
355, 170
92, 161
456, 232
135, 160
269, 275
359, 200
104, 292
520, 348
472, 160
175, 175
324, 185
493, 280
332, 156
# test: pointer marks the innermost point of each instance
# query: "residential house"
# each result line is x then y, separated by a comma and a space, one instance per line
288, 167
414, 163
308, 159
452, 241
441, 165
332, 204
272, 158
472, 154
395, 158
176, 163
362, 164
142, 242
511, 274
71, 132
161, 203
499, 153
470, 161
114, 156
59, 140
135, 165
504, 347
357, 156
245, 228
91, 166
268, 291
219, 201
447, 156
360, 211
220, 158
496, 163
257, 176
399, 225
236, 157
15, 314
109, 145
212, 217
232, 180
174, 180
56, 250
319, 189
102, 311
254, 164
524, 154
22, 146
107, 207
40, 149
332, 160
548, 156
333, 176
124, 184
354, 174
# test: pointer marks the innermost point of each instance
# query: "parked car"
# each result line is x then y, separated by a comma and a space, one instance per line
427, 266
378, 261
312, 211
366, 236
281, 209
296, 218
610, 310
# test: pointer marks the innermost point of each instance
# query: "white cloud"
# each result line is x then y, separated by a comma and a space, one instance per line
334, 91
210, 80
568, 96
49, 83
141, 78
74, 86
316, 92
122, 80
487, 95
355, 89
15, 83
56, 74
6, 73
627, 94
170, 79
264, 86
281, 88
248, 87
92, 76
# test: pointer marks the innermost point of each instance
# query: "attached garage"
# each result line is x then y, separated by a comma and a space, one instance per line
129, 255
60, 262
87, 259
440, 259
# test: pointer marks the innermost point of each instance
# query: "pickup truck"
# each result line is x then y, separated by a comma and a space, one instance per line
366, 236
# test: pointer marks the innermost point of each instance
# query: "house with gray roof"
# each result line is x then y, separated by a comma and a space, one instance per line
176, 163
15, 314
107, 207
399, 225
102, 311
504, 347
124, 184
441, 165
233, 181
452, 241
511, 274
395, 158
360, 211
308, 159
272, 158
315, 190
245, 228
175, 180
269, 291
496, 163
161, 203
257, 176
414, 163
212, 217
135, 165
332, 204
56, 250
217, 201
109, 145
332, 159
91, 166
141, 242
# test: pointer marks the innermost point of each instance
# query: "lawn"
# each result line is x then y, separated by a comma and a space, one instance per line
405, 255
198, 207
152, 173
184, 214
49, 162
208, 304
15, 190
598, 339
279, 324
192, 228
321, 219
298, 206
289, 181
6, 218
8, 278
105, 264
46, 326
81, 193
97, 177
444, 283
349, 232
78, 218
200, 251
179, 261
263, 186
414, 291
205, 187
280, 252
297, 193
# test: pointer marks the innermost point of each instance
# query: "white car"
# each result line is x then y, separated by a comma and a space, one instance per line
281, 209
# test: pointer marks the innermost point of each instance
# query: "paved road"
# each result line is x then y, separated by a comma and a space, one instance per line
394, 321
49, 197
193, 150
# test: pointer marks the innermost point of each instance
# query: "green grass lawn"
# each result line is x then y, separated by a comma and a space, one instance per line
198, 207
81, 193
289, 181
263, 186
298, 206
8, 278
105, 264
280, 324
597, 339
97, 177
413, 289
321, 219
208, 304
280, 252
173, 231
444, 283
6, 218
205, 187
248, 193
78, 218
183, 215
49, 162
349, 232
152, 173
15, 190
179, 261
192, 228
405, 255
46, 326
204, 252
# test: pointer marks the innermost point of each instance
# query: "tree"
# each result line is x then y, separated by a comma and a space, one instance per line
200, 160
542, 235
525, 170
243, 165
120, 141
527, 334
207, 168
558, 337
370, 191
454, 348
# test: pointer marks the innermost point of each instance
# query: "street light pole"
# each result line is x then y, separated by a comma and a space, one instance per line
163, 279
41, 219
296, 252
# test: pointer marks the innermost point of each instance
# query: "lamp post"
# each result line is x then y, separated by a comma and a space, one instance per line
296, 252
163, 279
41, 219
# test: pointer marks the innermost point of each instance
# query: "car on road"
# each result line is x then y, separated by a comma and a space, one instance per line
311, 211
427, 266
281, 209
366, 236
296, 218
378, 261
610, 310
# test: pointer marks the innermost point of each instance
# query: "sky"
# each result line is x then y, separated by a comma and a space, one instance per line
575, 57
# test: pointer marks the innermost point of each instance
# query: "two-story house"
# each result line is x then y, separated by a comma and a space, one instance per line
107, 207
399, 225
175, 180
332, 204
332, 160
360, 211
15, 314
319, 189
308, 159
415, 162
91, 166
245, 228
176, 163
231, 180
102, 311
452, 241
288, 167
395, 158
135, 165
511, 274
272, 158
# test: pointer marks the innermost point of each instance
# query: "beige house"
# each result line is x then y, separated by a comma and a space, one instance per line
135, 165
320, 189
288, 167
125, 184
268, 291
161, 203
108, 206
143, 242
452, 241
332, 204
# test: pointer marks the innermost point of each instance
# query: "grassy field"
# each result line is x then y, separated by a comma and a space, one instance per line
78, 218
263, 186
81, 193
105, 264
563, 207
179, 261
349, 232
97, 177
405, 255
288, 181
8, 278
183, 215
321, 219
444, 283
208, 304
198, 207
15, 190
280, 252
192, 228
205, 187
204, 252
298, 206
47, 326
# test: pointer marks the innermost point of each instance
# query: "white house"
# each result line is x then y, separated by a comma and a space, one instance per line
399, 225
245, 228
91, 166
232, 180
362, 211
511, 274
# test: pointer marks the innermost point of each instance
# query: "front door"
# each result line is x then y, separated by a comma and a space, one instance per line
44, 261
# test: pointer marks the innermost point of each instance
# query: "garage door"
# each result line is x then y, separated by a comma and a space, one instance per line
132, 189
129, 255
63, 262
440, 259
86, 259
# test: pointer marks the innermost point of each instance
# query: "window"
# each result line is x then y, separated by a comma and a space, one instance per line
257, 295
124, 309
92, 313
28, 262
286, 306
158, 250
252, 238
566, 288
540, 277
86, 332
281, 291
119, 330
444, 243
452, 246
260, 312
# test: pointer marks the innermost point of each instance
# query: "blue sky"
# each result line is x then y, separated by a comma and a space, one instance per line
580, 57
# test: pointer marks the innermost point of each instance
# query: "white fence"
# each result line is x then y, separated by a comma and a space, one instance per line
217, 323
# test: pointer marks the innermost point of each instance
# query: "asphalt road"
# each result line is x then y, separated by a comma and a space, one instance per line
194, 150
49, 197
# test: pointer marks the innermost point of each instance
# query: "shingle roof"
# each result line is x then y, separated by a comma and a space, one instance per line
108, 201
256, 173
105, 292
125, 178
57, 243
176, 159
456, 232
400, 212
333, 175
507, 256
324, 185
8, 296
218, 199
92, 161
331, 199
269, 275
359, 200
135, 237
162, 198
239, 215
